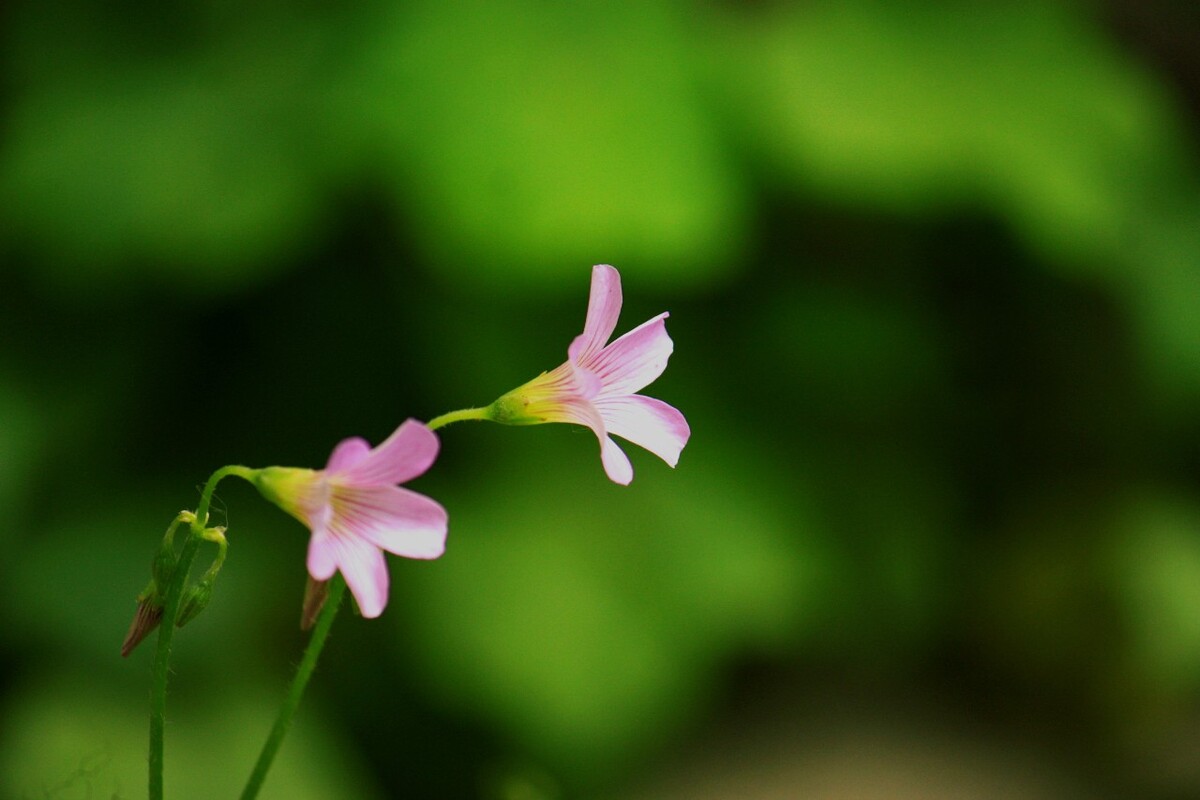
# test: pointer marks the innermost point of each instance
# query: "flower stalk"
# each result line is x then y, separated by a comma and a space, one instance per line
336, 590
458, 416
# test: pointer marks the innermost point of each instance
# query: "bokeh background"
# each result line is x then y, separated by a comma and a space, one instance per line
934, 276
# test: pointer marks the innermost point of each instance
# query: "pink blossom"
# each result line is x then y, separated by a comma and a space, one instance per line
597, 385
355, 510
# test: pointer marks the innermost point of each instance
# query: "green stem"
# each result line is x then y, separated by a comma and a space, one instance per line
457, 416
337, 588
162, 654
201, 520
166, 631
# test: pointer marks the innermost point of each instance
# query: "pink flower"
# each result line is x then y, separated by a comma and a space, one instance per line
597, 385
355, 510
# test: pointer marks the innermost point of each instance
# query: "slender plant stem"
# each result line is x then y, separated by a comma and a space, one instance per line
337, 588
166, 631
206, 496
457, 416
162, 654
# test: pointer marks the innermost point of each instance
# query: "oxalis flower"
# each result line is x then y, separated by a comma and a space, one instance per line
597, 385
355, 510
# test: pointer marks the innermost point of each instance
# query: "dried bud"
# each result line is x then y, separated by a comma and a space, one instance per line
315, 593
149, 614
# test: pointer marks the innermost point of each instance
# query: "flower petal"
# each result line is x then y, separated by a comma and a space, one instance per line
633, 362
398, 520
348, 453
322, 556
366, 574
616, 463
604, 306
407, 453
587, 383
359, 561
647, 422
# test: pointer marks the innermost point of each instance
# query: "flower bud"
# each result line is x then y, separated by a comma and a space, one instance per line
194, 602
196, 598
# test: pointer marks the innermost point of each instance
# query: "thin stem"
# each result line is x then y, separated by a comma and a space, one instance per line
162, 655
457, 416
168, 542
166, 631
337, 588
201, 520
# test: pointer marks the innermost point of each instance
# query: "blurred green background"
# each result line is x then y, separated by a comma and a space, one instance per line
934, 276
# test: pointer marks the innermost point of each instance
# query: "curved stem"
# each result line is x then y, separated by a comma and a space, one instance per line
337, 588
457, 416
201, 520
166, 631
